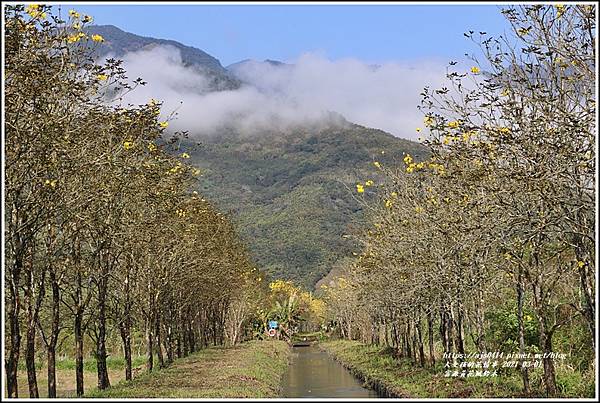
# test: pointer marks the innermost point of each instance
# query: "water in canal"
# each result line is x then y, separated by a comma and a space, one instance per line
312, 373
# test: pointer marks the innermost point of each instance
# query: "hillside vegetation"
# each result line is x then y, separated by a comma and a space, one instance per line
293, 195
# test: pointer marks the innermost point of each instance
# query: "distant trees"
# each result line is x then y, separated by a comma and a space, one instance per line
103, 230
502, 211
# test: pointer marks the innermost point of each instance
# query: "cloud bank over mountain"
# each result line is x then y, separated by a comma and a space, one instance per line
276, 96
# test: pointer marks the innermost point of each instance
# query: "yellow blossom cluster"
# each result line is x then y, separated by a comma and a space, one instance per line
50, 182
76, 37
35, 12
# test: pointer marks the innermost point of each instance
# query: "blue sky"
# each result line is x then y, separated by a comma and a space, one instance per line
371, 33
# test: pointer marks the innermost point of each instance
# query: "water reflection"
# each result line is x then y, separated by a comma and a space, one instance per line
312, 373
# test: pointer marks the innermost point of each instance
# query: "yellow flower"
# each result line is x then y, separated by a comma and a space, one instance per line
560, 10
394, 194
467, 135
128, 145
523, 31
87, 18
33, 11
151, 146
446, 140
50, 182
408, 159
504, 130
410, 168
360, 188
185, 155
418, 209
97, 38
475, 70
73, 13
76, 25
163, 125
453, 124
102, 77
418, 130
377, 164
580, 264
369, 183
388, 203
420, 165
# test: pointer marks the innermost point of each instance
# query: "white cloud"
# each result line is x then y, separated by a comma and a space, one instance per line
383, 97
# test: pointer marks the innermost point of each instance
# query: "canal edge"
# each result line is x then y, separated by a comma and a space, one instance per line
383, 391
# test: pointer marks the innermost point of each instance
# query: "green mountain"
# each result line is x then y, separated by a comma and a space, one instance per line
293, 195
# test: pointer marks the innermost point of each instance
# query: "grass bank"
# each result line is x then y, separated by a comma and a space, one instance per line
65, 375
399, 378
250, 370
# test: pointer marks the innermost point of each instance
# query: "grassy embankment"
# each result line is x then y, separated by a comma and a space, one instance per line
65, 375
400, 378
250, 370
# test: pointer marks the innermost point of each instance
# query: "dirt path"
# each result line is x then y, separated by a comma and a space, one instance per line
253, 369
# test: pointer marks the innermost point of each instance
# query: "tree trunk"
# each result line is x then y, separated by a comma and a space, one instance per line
79, 351
101, 355
589, 311
159, 354
444, 329
149, 347
420, 341
520, 300
54, 332
430, 334
169, 343
460, 329
125, 331
549, 372
34, 294
125, 327
51, 354
30, 362
13, 311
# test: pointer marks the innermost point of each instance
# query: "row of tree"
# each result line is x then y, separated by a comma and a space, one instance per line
502, 214
103, 230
